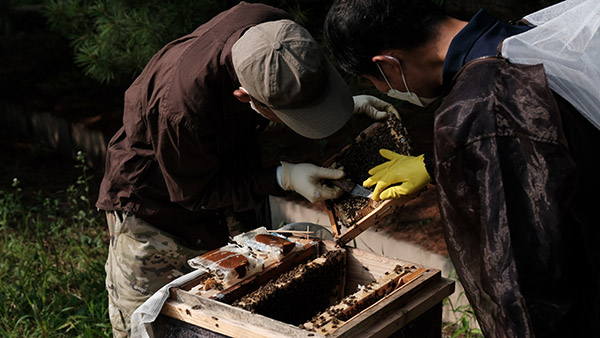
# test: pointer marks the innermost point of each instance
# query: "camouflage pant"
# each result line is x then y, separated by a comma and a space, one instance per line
141, 259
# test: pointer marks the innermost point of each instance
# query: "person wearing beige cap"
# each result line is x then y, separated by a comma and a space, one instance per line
186, 166
286, 78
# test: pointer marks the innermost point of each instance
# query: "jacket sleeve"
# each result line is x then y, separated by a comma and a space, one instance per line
215, 166
505, 179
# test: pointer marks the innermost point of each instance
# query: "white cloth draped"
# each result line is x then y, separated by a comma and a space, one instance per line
566, 40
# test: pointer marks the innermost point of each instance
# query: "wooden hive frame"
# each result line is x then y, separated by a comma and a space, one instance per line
374, 212
404, 301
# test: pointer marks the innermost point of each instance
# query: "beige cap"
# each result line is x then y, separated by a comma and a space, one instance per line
281, 65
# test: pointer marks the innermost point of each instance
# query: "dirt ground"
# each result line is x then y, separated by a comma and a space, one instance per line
419, 222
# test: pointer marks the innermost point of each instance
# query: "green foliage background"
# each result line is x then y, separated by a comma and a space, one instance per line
114, 39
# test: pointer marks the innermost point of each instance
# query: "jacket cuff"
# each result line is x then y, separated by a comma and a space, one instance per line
429, 165
271, 184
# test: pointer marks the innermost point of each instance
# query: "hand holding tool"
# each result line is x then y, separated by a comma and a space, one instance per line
310, 181
373, 107
353, 189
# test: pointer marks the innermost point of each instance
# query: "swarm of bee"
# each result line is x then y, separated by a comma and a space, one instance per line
319, 281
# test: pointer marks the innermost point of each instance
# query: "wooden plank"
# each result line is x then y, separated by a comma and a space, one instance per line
251, 283
336, 315
385, 316
387, 284
302, 292
379, 325
335, 227
365, 267
231, 321
374, 217
387, 305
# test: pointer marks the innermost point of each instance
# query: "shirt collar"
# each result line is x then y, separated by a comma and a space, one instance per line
231, 105
463, 42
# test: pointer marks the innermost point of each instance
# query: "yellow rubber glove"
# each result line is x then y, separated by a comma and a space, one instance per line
408, 170
373, 107
310, 180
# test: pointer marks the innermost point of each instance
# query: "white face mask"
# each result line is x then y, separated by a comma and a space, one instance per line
404, 96
254, 107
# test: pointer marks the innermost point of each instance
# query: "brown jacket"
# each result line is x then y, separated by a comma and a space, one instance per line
516, 168
188, 149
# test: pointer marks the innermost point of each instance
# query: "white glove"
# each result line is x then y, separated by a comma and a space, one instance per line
373, 107
305, 179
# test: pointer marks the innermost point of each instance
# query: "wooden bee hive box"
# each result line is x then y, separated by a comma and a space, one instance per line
377, 296
353, 213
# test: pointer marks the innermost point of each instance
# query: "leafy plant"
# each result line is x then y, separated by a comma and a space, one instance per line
114, 39
464, 316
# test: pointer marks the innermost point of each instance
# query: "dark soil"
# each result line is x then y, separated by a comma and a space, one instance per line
419, 222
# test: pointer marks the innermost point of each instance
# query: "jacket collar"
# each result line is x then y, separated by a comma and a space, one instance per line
463, 42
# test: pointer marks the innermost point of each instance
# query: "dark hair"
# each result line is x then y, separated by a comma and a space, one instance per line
357, 30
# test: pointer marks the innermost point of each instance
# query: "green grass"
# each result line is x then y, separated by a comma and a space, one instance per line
52, 254
464, 317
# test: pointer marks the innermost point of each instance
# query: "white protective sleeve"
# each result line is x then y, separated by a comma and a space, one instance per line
566, 40
143, 317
